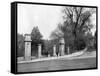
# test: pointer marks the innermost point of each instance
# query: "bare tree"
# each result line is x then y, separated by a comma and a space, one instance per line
78, 19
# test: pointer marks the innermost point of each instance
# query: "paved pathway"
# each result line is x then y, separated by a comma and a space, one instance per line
58, 63
68, 57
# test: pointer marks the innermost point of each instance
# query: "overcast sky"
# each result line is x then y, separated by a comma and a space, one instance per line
43, 16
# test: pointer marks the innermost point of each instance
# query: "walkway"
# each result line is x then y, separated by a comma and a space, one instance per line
67, 57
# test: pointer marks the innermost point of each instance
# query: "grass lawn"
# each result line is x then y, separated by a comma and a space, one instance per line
59, 64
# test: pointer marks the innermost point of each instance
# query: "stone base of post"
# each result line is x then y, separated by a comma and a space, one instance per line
28, 58
54, 55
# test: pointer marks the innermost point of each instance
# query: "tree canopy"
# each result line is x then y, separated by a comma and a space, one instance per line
77, 23
35, 34
20, 45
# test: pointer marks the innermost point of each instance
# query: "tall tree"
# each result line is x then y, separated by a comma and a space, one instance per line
36, 37
35, 34
77, 22
78, 19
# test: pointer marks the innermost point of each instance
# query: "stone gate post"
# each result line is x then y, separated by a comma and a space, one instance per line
27, 41
54, 50
39, 50
62, 46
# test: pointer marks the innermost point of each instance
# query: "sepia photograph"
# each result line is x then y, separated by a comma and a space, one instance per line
53, 37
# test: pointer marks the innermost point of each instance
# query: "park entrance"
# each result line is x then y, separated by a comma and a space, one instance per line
27, 54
